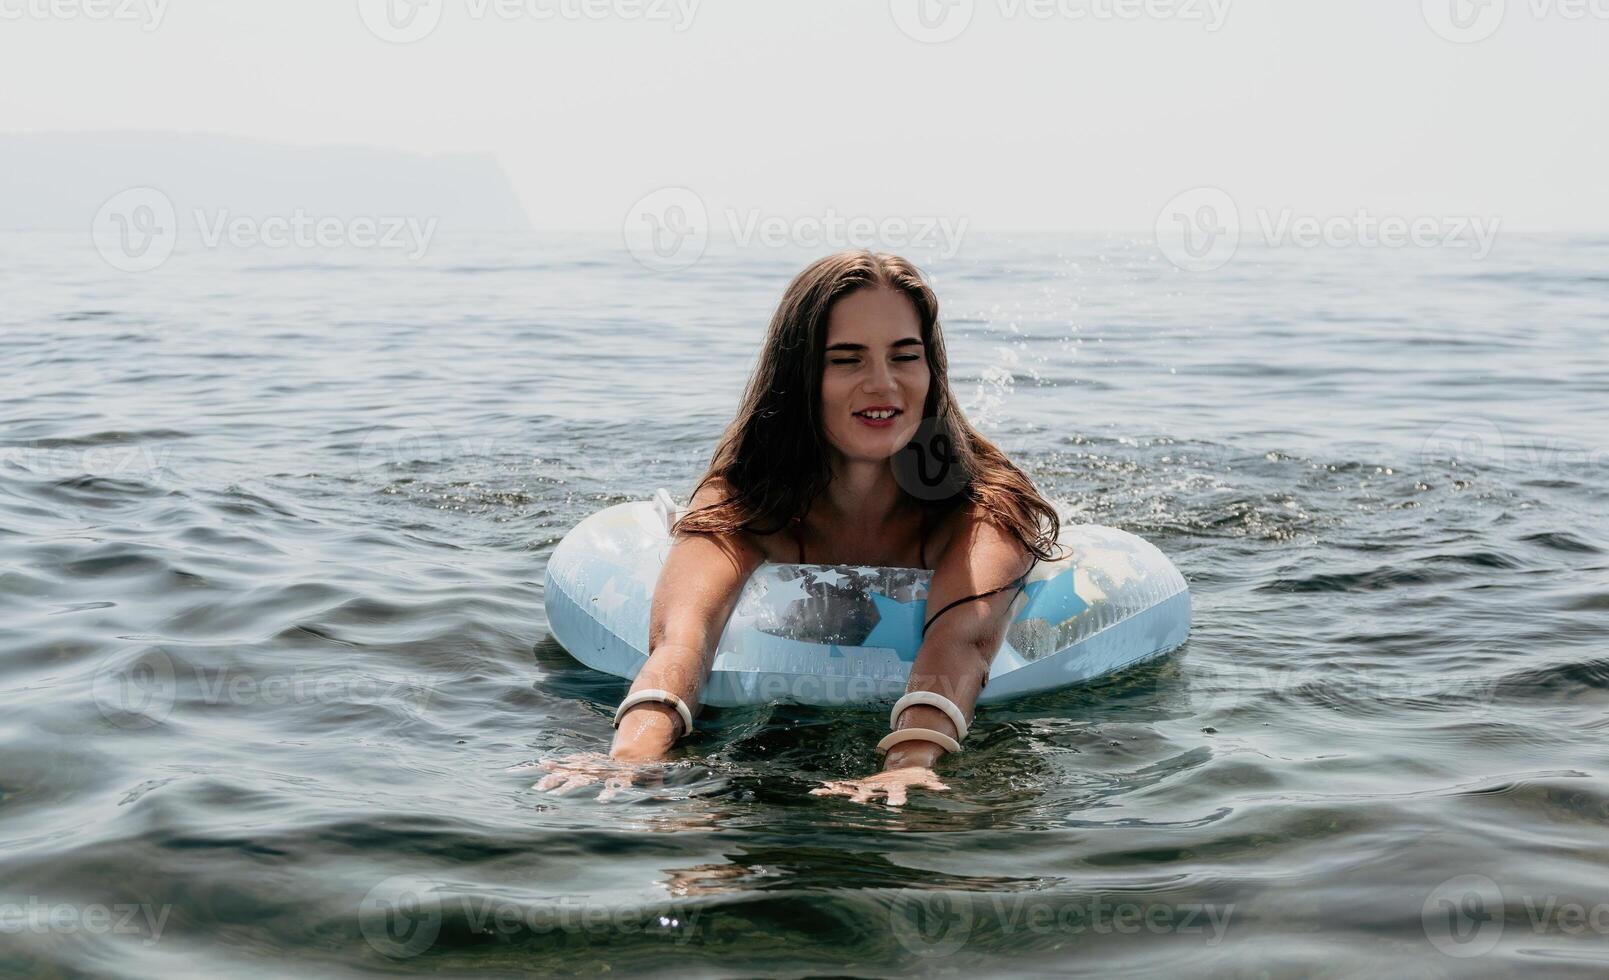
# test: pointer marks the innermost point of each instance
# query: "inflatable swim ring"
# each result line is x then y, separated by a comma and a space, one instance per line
840, 634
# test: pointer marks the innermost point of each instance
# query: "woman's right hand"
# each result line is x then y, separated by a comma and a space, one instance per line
578, 771
647, 732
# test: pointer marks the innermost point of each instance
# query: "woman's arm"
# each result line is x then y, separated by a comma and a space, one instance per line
694, 596
960, 645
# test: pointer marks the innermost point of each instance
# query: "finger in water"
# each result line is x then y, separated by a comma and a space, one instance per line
575, 782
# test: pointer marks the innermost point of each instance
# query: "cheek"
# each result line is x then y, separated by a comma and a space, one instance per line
920, 384
835, 395
833, 405
829, 391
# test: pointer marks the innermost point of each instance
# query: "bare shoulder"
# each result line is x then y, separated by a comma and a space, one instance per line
713, 491
751, 548
979, 550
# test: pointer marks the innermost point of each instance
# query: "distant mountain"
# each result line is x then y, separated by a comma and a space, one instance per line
58, 181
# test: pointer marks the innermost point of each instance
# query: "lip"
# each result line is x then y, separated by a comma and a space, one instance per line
878, 423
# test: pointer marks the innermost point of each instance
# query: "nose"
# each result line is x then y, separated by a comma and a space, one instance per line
879, 379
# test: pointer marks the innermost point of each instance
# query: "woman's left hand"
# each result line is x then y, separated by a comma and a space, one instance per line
893, 782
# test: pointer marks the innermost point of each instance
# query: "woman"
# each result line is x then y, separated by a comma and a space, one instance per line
848, 448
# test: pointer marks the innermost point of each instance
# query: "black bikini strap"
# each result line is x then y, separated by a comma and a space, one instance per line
1020, 583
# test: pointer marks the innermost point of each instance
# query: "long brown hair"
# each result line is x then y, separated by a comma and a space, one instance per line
773, 457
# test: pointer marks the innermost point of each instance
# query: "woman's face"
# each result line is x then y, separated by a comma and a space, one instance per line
875, 359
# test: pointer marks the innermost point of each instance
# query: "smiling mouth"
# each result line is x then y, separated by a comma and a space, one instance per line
876, 414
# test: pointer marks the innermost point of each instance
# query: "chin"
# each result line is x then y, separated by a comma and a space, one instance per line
868, 451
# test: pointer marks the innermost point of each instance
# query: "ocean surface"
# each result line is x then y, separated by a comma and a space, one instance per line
272, 534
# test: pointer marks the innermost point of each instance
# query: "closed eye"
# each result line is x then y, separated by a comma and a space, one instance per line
852, 360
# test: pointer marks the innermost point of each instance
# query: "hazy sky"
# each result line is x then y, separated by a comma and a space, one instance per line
1036, 114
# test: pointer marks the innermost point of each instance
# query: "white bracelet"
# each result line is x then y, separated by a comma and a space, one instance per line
656, 694
936, 700
925, 734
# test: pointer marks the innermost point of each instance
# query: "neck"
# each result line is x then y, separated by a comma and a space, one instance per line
863, 494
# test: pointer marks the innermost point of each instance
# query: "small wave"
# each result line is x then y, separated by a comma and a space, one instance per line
1531, 683
1595, 602
1562, 541
97, 491
79, 316
108, 438
1370, 580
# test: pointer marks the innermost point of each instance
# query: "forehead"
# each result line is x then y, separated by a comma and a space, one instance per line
873, 313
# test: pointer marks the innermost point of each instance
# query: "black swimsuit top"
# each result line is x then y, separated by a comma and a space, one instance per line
1019, 582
